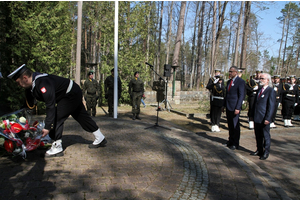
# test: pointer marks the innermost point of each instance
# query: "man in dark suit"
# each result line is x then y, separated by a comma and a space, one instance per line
262, 113
235, 93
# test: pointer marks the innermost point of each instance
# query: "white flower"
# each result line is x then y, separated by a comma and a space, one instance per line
22, 120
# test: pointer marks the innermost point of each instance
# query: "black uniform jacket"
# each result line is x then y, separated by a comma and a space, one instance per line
217, 93
290, 95
49, 89
278, 89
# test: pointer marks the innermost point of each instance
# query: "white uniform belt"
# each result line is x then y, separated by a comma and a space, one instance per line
277, 97
70, 87
217, 97
254, 92
290, 95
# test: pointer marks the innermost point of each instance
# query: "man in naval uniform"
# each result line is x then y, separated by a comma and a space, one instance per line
62, 97
290, 95
211, 81
251, 90
278, 90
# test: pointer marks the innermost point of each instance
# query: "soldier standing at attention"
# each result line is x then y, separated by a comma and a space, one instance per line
90, 90
109, 91
136, 91
290, 95
278, 89
212, 80
251, 90
218, 93
297, 107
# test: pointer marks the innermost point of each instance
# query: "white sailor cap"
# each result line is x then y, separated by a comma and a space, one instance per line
18, 72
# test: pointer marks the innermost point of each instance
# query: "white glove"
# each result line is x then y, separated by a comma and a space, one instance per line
216, 81
255, 88
291, 88
295, 104
243, 102
279, 104
275, 89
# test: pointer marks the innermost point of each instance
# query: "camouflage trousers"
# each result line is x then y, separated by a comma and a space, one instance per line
91, 102
136, 102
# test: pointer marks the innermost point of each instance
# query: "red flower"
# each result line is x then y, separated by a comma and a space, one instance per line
9, 146
16, 128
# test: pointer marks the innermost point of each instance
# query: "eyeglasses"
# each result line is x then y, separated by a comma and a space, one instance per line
231, 71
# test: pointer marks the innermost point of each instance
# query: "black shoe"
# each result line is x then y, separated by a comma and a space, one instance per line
137, 117
232, 147
101, 144
227, 144
256, 153
264, 157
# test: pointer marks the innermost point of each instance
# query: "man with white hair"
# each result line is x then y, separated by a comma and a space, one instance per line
261, 114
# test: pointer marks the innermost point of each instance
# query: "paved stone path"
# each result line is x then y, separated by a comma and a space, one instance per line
142, 161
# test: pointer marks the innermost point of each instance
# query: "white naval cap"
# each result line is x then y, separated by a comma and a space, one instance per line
18, 72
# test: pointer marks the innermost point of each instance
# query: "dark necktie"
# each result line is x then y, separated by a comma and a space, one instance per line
261, 91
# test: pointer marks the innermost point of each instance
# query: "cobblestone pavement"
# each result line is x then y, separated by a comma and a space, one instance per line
149, 159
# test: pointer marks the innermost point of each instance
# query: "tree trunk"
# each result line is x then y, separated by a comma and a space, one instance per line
169, 32
278, 60
221, 21
193, 46
213, 40
286, 38
183, 53
237, 43
207, 36
229, 39
200, 38
178, 36
245, 35
148, 36
159, 37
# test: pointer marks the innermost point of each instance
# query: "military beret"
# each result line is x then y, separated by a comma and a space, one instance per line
90, 73
136, 73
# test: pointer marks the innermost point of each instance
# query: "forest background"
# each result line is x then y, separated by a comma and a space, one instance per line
197, 36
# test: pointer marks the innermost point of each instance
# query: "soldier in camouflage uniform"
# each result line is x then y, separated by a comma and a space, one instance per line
136, 91
109, 91
90, 91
